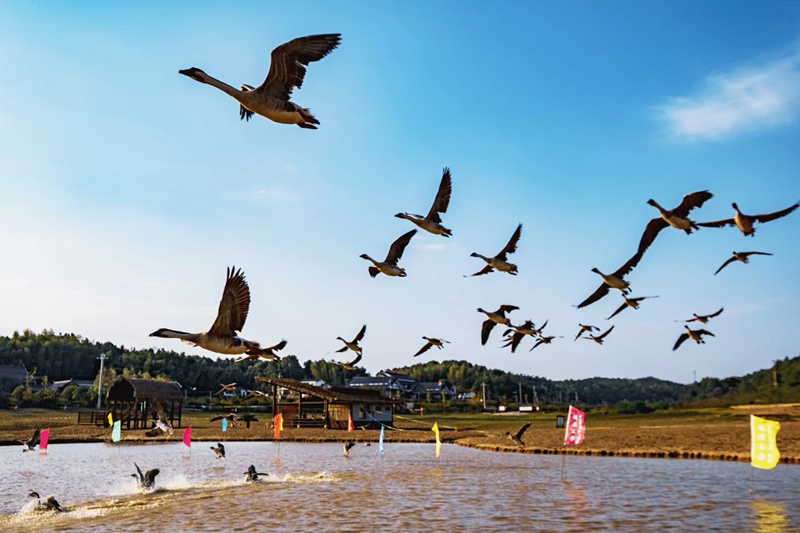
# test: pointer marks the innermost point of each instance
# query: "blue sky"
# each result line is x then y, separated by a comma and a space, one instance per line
127, 188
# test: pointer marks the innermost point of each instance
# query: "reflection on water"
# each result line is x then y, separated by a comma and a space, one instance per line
313, 487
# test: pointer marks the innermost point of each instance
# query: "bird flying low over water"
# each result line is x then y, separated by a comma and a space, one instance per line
30, 444
439, 343
497, 317
613, 281
694, 334
745, 223
252, 475
545, 340
517, 437
629, 302
677, 218
433, 222
145, 481
49, 504
500, 261
231, 316
287, 71
353, 345
347, 446
389, 266
599, 338
739, 256
703, 319
585, 329
219, 450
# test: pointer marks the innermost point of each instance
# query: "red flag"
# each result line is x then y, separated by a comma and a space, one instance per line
350, 425
44, 437
576, 426
277, 423
187, 436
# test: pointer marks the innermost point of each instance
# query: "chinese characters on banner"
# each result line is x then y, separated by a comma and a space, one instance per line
764, 447
576, 426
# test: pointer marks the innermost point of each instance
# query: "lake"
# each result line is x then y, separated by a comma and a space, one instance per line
313, 487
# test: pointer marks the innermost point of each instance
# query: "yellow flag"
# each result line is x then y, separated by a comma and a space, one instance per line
435, 429
110, 420
764, 448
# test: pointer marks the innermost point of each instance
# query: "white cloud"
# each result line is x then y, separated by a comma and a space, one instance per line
276, 195
748, 99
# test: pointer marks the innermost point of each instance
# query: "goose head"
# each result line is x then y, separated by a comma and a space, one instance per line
167, 333
474, 254
736, 207
365, 256
480, 310
34, 494
597, 271
402, 215
196, 74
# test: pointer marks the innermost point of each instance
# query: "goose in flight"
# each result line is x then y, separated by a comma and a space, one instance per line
613, 281
347, 446
354, 344
515, 334
389, 267
287, 71
49, 504
745, 223
703, 319
497, 317
585, 329
545, 340
252, 475
677, 218
629, 302
265, 353
255, 394
599, 338
694, 334
739, 256
231, 418
219, 450
500, 261
145, 481
433, 222
439, 343
517, 437
351, 366
30, 444
231, 316
230, 387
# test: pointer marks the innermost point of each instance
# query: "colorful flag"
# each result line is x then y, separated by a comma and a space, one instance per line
435, 429
764, 448
224, 425
380, 442
350, 425
576, 426
116, 431
187, 436
44, 438
110, 420
277, 423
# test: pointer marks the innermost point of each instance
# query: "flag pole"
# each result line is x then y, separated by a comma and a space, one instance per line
751, 480
563, 462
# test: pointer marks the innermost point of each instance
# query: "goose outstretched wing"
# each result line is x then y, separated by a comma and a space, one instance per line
234, 305
442, 200
288, 67
511, 247
398, 247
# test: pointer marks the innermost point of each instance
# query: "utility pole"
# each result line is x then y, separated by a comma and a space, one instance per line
100, 384
695, 376
576, 396
483, 394
520, 393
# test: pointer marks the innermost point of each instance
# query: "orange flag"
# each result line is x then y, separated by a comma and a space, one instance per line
277, 423
350, 425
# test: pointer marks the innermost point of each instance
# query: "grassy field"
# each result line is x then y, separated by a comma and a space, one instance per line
719, 433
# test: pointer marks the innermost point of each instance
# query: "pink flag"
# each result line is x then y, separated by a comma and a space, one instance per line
187, 436
576, 426
44, 437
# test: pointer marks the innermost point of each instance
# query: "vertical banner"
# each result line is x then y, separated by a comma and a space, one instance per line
350, 425
44, 438
576, 426
277, 423
187, 437
380, 442
435, 429
110, 420
116, 432
224, 425
764, 447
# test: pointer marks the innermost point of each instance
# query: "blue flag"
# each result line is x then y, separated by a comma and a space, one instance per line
116, 431
380, 444
224, 425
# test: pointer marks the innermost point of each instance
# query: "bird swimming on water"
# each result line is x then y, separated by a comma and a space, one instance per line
252, 475
287, 71
145, 481
433, 222
49, 504
219, 450
517, 437
30, 444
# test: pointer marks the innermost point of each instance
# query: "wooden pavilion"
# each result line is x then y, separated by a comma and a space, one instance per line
137, 401
330, 408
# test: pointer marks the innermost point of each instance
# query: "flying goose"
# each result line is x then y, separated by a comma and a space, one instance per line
230, 387
287, 71
599, 338
439, 343
145, 481
351, 366
265, 353
354, 344
219, 450
545, 340
30, 444
517, 437
347, 445
694, 334
252, 475
677, 218
703, 319
745, 222
49, 504
498, 317
739, 256
515, 334
231, 316
500, 261
585, 329
255, 394
629, 302
613, 281
389, 267
231, 418
433, 222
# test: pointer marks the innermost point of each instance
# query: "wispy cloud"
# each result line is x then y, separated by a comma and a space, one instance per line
751, 98
275, 196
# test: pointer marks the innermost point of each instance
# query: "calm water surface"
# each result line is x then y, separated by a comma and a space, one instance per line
313, 487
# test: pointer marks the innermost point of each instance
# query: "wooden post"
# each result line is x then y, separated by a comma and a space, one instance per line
274, 401
299, 407
180, 413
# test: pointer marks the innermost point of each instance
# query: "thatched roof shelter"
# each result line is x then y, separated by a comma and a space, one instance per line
138, 402
128, 390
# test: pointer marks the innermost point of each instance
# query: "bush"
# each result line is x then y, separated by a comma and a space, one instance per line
633, 408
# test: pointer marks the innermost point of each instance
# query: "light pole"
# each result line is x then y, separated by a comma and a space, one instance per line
100, 384
483, 393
